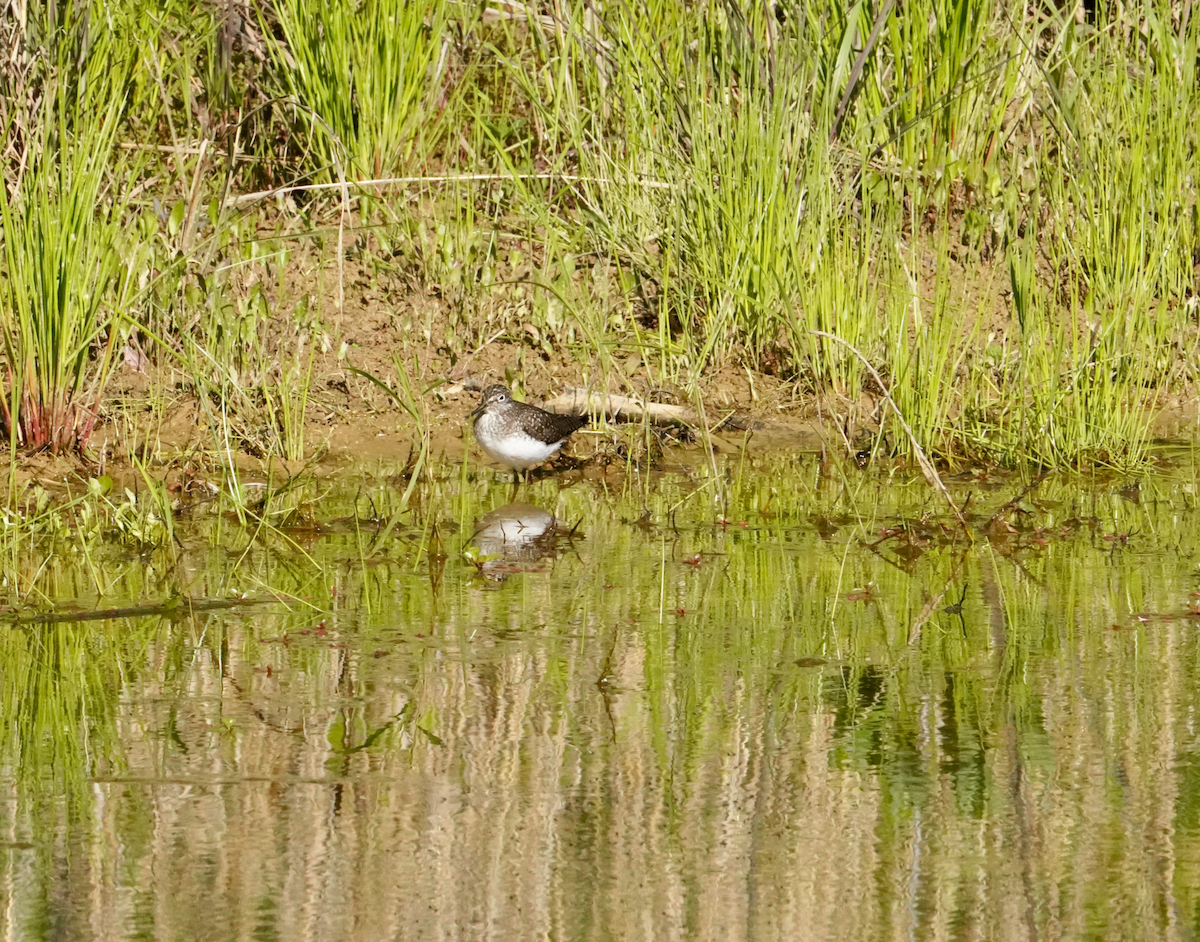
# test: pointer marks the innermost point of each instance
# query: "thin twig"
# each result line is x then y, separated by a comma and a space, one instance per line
927, 467
180, 150
439, 178
856, 71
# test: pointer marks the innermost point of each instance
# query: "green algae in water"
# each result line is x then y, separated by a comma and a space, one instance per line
762, 705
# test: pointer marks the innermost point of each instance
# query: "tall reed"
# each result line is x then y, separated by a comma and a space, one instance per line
367, 77
69, 268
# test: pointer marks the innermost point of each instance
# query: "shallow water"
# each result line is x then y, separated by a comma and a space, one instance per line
758, 704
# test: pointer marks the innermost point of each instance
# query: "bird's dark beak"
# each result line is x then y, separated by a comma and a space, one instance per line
476, 411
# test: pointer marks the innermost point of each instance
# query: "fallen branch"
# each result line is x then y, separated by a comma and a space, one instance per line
576, 401
173, 607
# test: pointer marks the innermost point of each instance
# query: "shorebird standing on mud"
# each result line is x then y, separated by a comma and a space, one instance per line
518, 435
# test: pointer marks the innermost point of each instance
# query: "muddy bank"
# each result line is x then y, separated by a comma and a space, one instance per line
159, 413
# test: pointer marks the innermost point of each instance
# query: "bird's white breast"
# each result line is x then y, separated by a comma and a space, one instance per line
513, 449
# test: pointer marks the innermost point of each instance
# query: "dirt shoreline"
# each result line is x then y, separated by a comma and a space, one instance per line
369, 429
364, 429
152, 412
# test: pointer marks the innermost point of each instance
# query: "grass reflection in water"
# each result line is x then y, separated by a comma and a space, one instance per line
769, 705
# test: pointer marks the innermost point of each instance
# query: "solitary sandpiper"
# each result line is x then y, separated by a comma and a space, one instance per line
517, 434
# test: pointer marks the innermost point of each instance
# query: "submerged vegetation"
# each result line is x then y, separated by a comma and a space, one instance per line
993, 206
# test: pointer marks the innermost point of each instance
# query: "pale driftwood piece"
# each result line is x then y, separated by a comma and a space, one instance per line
576, 401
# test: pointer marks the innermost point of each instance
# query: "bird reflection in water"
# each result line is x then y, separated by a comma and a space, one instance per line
515, 538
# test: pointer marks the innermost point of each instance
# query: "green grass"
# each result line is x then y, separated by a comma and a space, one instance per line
732, 182
70, 268
364, 78
996, 206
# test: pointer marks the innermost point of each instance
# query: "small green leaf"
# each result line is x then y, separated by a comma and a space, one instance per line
175, 220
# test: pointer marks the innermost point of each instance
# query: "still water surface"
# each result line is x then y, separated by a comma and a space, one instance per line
757, 704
